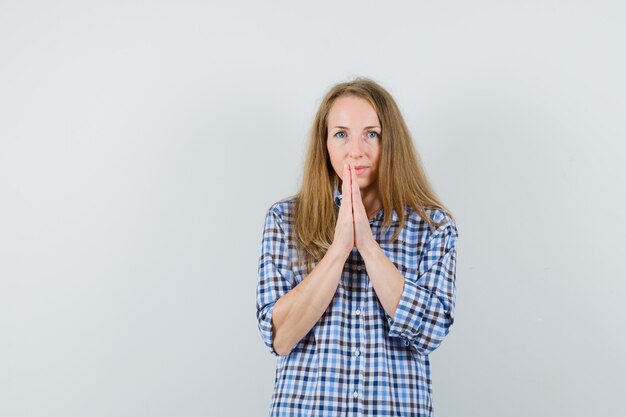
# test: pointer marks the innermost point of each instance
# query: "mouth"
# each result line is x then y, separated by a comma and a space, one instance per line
358, 170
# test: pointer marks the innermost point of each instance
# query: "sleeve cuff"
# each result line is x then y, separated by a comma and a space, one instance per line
410, 311
265, 326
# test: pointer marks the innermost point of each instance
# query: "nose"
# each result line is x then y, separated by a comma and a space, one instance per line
356, 148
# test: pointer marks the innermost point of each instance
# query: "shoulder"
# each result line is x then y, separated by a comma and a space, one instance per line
284, 207
440, 215
282, 211
436, 215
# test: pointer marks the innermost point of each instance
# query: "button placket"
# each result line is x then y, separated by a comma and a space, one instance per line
356, 353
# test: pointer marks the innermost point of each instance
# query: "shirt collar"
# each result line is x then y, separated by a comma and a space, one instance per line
337, 197
379, 215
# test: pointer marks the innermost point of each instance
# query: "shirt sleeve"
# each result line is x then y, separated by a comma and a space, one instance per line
426, 308
274, 276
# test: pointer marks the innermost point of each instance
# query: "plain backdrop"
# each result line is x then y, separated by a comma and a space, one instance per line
141, 144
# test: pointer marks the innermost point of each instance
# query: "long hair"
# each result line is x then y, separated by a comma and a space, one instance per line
402, 181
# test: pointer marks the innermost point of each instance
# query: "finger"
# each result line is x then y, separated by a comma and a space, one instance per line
350, 182
356, 191
345, 188
350, 174
359, 208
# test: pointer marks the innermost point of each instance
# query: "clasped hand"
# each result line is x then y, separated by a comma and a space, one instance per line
352, 228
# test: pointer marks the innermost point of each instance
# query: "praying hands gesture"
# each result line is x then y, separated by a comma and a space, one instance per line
352, 228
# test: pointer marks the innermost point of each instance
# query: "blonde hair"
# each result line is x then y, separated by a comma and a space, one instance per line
402, 181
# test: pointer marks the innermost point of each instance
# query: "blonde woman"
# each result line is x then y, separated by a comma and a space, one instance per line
357, 271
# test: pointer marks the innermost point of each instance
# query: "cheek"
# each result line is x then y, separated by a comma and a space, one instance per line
378, 153
335, 157
334, 162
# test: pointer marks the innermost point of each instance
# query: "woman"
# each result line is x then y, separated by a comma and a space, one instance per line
357, 271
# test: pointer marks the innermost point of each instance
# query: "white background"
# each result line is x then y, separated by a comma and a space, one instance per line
141, 144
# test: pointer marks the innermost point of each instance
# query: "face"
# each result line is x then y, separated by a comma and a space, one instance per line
354, 137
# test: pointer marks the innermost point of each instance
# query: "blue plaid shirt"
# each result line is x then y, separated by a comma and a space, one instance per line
357, 360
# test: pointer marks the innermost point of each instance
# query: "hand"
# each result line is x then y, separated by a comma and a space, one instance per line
362, 231
343, 240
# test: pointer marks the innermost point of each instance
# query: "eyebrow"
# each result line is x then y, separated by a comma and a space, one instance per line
366, 127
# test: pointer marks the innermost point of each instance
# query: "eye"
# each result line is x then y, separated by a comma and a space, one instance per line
375, 134
342, 133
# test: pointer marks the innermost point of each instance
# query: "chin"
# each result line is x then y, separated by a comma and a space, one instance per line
364, 183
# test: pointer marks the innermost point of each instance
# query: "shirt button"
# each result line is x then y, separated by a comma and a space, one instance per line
406, 342
355, 395
357, 312
358, 267
356, 352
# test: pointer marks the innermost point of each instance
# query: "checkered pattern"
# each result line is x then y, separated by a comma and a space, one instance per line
357, 360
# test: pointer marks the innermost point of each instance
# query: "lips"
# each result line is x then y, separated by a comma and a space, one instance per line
360, 169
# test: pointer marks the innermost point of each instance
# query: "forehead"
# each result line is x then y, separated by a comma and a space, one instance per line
350, 110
